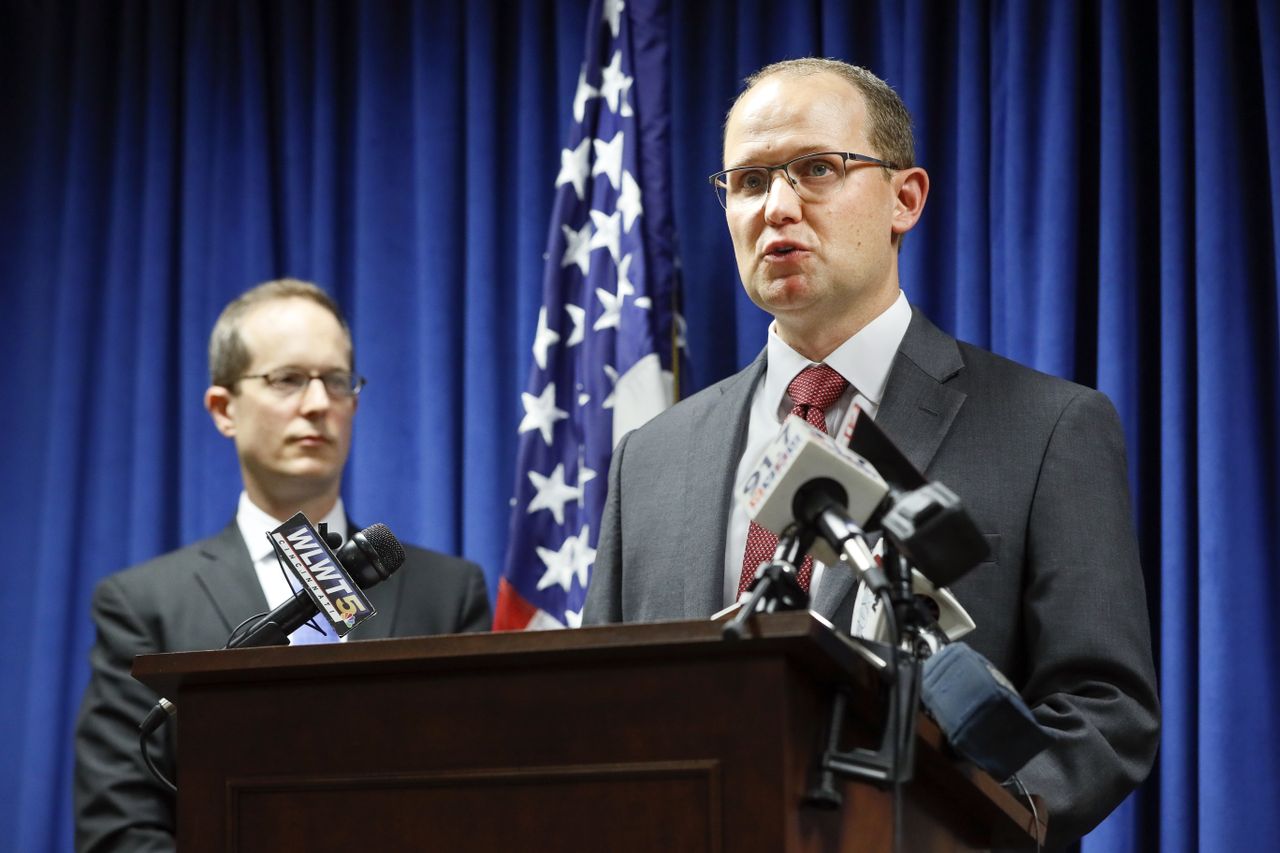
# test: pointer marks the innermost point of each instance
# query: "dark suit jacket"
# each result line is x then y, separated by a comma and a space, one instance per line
1039, 463
189, 600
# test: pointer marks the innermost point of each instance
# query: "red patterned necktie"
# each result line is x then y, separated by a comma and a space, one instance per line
812, 392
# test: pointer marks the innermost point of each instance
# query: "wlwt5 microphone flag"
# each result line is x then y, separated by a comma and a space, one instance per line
607, 349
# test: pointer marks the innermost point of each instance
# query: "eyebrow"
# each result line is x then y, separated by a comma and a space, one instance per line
808, 149
302, 369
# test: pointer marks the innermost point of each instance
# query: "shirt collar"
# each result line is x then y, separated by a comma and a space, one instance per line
864, 360
255, 524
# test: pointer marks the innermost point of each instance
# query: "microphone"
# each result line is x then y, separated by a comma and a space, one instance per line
925, 520
369, 557
798, 455
943, 616
980, 712
805, 476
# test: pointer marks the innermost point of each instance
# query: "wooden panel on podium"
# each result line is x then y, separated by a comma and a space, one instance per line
624, 738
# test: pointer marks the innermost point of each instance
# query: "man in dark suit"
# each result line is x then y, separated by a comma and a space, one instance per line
284, 390
818, 191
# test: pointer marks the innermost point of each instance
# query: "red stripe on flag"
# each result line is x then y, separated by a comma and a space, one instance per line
512, 612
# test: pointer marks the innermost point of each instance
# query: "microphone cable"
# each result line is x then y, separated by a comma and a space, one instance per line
157, 717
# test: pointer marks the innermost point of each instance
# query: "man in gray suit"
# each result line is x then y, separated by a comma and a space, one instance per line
284, 390
819, 190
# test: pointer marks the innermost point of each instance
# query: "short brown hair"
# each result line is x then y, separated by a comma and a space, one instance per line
888, 122
229, 358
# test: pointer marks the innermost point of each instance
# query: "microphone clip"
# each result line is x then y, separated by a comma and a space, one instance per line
777, 584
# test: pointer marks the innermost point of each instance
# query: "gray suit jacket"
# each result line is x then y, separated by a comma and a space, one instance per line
1039, 462
189, 600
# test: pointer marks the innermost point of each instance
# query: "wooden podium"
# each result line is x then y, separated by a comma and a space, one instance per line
660, 737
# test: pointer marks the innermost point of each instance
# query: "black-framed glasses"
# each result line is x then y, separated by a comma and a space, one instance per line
288, 381
813, 177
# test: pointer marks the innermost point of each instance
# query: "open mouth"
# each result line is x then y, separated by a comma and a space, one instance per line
780, 251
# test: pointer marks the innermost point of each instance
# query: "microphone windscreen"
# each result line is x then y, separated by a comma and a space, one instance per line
976, 707
385, 544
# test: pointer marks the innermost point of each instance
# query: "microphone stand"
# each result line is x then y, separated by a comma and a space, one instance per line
777, 584
893, 761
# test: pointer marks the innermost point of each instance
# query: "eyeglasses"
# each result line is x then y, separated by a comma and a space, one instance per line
813, 177
288, 381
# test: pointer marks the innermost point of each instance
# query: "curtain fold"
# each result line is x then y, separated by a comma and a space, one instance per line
1104, 185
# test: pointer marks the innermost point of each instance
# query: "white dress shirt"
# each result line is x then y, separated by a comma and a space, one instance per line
864, 360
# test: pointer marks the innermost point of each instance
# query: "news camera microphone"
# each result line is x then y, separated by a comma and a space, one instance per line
805, 476
980, 712
369, 557
943, 618
926, 521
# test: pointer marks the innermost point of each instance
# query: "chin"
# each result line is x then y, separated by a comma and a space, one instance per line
784, 294
312, 471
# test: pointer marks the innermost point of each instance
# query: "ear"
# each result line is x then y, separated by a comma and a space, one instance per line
912, 186
221, 406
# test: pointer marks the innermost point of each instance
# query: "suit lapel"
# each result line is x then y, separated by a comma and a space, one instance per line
717, 445
916, 413
919, 406
228, 578
385, 598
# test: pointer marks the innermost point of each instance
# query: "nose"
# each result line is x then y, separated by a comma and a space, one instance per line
315, 397
782, 203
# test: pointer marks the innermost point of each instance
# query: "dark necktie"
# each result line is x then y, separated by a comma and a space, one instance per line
812, 392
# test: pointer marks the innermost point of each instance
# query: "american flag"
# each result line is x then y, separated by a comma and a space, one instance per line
608, 332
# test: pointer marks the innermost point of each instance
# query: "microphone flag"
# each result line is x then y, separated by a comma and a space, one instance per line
608, 345
301, 549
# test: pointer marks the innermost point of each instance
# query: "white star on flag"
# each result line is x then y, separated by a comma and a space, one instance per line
609, 158
625, 287
540, 412
612, 14
629, 201
607, 232
573, 559
575, 167
584, 92
615, 85
553, 494
613, 385
577, 249
578, 317
543, 339
612, 313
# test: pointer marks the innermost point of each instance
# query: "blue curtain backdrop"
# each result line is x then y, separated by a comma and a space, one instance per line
1105, 184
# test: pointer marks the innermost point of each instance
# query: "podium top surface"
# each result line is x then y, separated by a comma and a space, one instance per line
799, 635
